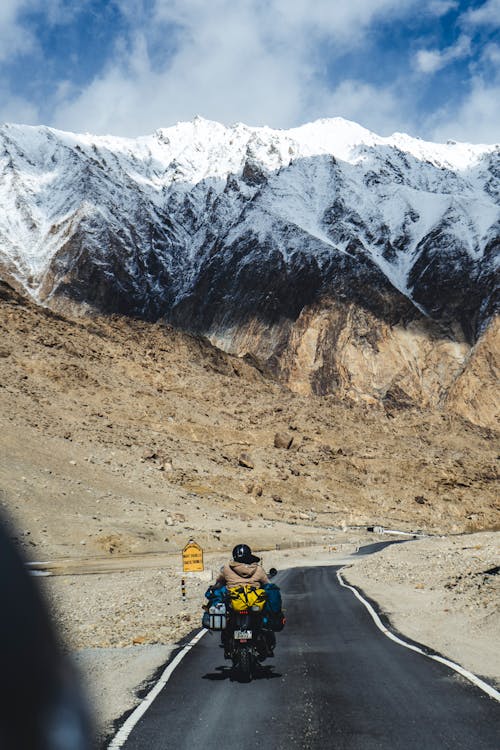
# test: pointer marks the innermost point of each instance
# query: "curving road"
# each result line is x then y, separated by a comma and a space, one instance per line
336, 682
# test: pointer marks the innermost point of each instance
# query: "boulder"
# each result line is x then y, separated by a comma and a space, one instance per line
282, 440
246, 461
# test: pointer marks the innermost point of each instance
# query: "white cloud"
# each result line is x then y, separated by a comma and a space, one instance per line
476, 121
491, 54
376, 108
430, 61
281, 18
16, 108
257, 62
230, 78
487, 14
441, 7
14, 38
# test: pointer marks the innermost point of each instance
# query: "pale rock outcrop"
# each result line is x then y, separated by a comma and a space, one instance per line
475, 394
348, 351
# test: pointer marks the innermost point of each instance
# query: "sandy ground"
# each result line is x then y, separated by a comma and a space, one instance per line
442, 592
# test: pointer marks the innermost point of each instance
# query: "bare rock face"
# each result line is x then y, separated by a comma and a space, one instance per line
348, 351
474, 393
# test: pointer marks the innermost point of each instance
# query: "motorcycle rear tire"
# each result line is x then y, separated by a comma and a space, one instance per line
244, 664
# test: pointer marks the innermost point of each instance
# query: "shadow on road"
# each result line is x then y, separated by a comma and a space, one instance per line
227, 673
369, 549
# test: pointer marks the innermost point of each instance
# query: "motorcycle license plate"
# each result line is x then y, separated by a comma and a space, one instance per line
242, 635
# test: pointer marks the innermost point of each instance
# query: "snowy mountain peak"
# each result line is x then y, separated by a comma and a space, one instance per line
141, 225
223, 148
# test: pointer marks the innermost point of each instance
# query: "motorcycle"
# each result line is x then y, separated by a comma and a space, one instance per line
247, 628
247, 641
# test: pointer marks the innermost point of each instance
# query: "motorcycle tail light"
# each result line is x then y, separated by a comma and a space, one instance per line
243, 611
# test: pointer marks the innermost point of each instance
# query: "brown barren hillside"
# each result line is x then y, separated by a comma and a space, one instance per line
120, 436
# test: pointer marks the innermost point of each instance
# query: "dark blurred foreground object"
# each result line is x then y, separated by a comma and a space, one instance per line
41, 704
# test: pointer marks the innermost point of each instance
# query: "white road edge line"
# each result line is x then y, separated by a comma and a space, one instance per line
122, 735
488, 689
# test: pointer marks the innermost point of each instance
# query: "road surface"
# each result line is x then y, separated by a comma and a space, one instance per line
336, 682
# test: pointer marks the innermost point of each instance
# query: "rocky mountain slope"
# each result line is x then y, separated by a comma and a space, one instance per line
122, 436
348, 263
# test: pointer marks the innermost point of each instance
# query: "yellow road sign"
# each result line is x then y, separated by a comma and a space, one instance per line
192, 557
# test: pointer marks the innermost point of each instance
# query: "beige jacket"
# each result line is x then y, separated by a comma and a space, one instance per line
242, 574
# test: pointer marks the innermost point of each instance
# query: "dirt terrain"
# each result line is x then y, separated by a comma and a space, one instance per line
120, 440
120, 436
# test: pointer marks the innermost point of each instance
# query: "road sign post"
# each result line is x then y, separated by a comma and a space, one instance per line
192, 562
192, 557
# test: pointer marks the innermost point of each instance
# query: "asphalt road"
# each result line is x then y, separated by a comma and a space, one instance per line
336, 682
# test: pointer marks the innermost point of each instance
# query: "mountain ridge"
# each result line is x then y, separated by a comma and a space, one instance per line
239, 233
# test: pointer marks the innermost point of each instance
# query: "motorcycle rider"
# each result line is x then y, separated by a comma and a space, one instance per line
243, 570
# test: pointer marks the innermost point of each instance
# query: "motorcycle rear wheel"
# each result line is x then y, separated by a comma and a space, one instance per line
244, 664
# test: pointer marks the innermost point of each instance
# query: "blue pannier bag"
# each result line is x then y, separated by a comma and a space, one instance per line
273, 595
216, 595
273, 616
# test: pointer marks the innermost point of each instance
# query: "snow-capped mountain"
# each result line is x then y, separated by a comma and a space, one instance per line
240, 233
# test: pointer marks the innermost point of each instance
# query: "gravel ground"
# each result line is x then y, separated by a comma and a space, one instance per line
113, 678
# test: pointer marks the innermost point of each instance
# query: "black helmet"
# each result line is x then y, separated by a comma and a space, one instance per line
242, 553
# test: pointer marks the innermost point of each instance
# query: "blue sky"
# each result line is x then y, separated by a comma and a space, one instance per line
427, 67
